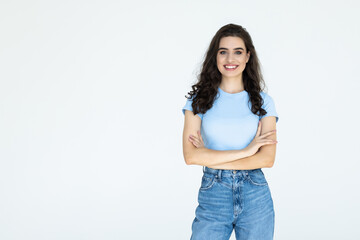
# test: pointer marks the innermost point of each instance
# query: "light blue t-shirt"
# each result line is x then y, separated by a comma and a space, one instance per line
229, 124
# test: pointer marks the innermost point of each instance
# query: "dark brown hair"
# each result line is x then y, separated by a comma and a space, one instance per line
209, 79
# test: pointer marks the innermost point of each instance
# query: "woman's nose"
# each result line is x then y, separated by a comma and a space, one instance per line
230, 57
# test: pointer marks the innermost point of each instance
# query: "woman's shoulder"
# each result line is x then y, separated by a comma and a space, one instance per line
268, 99
265, 95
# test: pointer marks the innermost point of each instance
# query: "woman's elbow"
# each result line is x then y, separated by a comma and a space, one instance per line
271, 162
188, 159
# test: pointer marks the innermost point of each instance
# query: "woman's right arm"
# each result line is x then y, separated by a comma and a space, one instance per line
204, 156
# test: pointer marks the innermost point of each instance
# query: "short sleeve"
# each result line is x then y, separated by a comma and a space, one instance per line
269, 106
189, 107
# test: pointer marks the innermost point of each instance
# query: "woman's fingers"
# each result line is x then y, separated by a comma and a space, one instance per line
197, 141
259, 128
194, 140
268, 134
199, 134
268, 141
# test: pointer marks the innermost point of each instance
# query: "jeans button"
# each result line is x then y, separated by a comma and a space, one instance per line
234, 171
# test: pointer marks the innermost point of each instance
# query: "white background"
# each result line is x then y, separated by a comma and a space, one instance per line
91, 126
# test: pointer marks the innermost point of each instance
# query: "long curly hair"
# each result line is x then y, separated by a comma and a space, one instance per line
209, 79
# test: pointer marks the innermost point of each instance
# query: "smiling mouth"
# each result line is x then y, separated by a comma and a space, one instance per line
230, 67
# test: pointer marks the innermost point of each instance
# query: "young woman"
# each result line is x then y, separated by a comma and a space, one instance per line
230, 130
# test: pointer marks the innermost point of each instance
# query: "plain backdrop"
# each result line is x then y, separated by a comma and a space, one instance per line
91, 126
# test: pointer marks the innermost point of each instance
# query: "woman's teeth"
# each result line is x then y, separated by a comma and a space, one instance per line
231, 67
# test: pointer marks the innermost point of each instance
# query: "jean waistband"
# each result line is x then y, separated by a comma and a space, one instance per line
228, 173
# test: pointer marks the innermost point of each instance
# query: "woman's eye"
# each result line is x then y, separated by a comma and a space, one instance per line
237, 52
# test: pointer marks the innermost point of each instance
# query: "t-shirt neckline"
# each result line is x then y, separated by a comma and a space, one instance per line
231, 94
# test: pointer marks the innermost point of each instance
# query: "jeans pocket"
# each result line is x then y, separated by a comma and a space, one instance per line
207, 181
257, 178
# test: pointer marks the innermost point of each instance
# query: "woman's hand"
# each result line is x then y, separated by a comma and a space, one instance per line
259, 141
197, 141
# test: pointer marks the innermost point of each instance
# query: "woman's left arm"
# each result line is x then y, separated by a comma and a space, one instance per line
258, 160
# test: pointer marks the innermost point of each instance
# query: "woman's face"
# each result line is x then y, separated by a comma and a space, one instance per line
231, 57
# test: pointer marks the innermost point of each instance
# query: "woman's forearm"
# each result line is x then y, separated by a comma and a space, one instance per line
204, 156
258, 160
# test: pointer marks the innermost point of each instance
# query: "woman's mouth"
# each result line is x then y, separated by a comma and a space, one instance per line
230, 67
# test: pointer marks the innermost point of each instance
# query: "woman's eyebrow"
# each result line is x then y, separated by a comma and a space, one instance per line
228, 49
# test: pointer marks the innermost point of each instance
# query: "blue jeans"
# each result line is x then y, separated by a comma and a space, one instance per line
233, 199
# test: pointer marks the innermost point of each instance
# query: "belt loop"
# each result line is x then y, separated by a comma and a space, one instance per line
219, 174
203, 169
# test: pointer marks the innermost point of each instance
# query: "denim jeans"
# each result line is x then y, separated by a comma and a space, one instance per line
233, 199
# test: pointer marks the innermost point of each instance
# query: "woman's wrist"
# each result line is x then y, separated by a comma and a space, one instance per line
243, 153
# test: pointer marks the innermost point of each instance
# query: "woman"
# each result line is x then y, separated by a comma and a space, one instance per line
230, 130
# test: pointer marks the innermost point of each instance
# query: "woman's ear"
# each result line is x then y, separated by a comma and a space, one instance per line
248, 56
